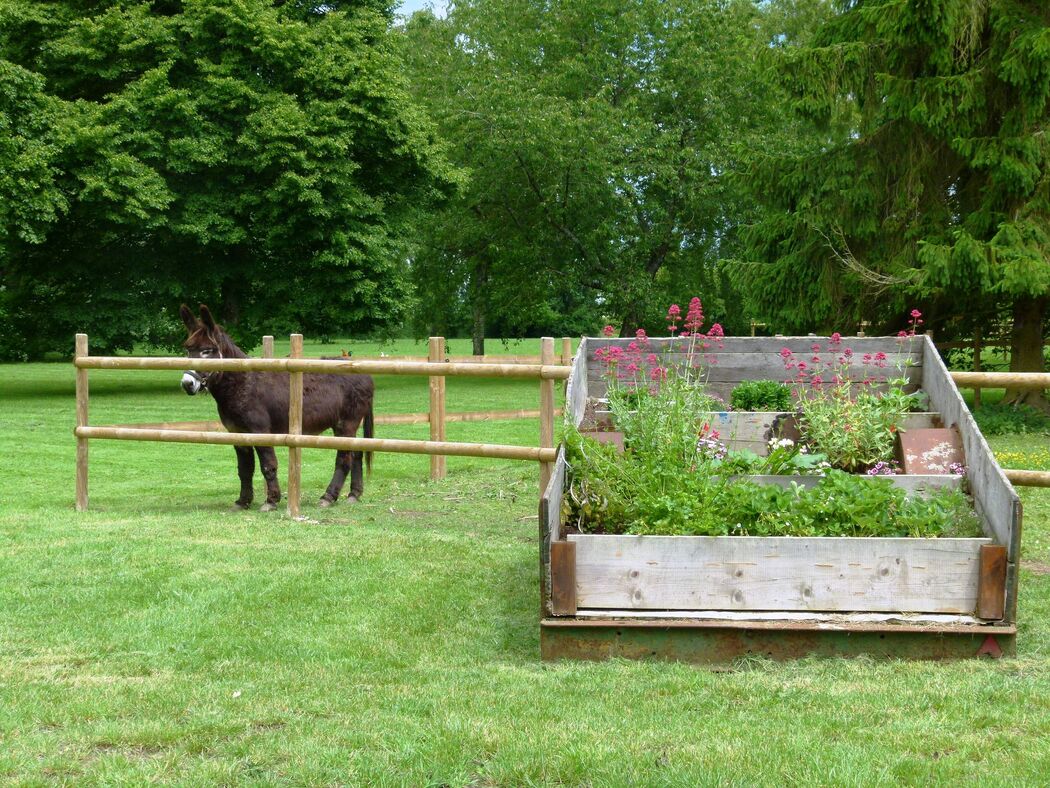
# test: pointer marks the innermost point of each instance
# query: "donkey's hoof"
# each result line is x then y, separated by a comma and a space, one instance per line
267, 507
324, 503
240, 507
351, 498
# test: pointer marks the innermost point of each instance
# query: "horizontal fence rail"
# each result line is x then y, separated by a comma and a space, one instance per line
1000, 380
330, 367
449, 448
436, 369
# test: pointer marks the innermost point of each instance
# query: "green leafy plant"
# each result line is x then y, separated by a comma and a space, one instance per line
1004, 419
761, 395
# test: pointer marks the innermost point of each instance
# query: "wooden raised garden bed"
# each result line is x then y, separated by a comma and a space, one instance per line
714, 598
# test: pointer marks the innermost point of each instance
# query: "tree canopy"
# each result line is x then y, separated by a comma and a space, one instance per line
929, 180
259, 156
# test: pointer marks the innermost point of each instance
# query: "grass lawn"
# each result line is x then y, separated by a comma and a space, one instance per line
158, 637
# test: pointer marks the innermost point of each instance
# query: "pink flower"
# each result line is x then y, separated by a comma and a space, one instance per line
867, 358
674, 312
716, 331
695, 317
902, 333
652, 358
609, 331
658, 373
916, 314
642, 337
880, 356
633, 348
632, 367
836, 338
786, 353
615, 352
848, 352
685, 334
815, 348
802, 365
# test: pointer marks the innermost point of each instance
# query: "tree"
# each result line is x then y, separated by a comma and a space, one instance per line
260, 156
596, 139
931, 181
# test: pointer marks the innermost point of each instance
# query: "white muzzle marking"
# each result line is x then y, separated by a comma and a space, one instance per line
191, 384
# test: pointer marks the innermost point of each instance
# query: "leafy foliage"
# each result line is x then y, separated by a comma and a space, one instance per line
1004, 419
260, 156
931, 176
761, 395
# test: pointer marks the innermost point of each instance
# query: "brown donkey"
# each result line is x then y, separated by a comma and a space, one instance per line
258, 402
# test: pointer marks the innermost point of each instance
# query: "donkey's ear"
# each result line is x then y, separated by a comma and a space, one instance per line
206, 318
188, 318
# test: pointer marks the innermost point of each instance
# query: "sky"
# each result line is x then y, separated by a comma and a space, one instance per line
409, 6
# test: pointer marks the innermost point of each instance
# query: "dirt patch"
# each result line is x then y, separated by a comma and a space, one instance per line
1036, 567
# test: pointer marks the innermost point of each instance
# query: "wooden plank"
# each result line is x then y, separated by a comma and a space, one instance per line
81, 351
295, 427
546, 410
994, 498
267, 346
566, 351
991, 588
437, 408
563, 578
773, 345
777, 573
736, 367
789, 617
550, 526
576, 392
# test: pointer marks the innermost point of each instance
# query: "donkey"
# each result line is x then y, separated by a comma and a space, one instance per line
258, 402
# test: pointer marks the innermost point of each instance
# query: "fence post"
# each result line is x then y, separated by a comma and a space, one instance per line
267, 348
566, 351
546, 410
977, 364
437, 408
82, 421
295, 427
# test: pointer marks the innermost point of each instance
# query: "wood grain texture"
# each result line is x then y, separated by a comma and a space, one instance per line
546, 410
991, 589
563, 578
777, 573
295, 427
576, 392
550, 526
437, 407
995, 499
81, 350
267, 346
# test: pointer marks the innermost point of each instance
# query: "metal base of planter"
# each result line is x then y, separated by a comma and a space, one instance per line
719, 642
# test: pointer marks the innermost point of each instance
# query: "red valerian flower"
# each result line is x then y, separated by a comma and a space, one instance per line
694, 319
609, 331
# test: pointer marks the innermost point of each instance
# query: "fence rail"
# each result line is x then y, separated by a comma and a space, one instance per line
436, 369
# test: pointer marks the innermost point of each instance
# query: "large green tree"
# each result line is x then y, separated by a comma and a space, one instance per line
931, 182
595, 139
261, 156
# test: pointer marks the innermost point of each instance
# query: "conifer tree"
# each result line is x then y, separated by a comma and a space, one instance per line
930, 184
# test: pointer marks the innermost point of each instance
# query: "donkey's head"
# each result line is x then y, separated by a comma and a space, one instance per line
206, 340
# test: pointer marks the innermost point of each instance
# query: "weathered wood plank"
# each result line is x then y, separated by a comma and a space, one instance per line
994, 497
576, 392
550, 525
773, 345
991, 588
777, 573
563, 578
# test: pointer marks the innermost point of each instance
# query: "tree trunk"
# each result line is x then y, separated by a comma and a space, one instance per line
478, 285
1026, 349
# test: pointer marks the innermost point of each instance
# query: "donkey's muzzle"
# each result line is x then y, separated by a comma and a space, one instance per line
191, 383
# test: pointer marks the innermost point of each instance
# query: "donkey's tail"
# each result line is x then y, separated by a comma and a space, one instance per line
369, 432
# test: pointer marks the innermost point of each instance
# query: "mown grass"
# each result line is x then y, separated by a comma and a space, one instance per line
158, 637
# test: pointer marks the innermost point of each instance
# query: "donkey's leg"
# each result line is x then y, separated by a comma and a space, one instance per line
342, 468
246, 472
357, 477
268, 461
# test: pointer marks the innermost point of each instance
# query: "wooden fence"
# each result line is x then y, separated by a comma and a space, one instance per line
437, 367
